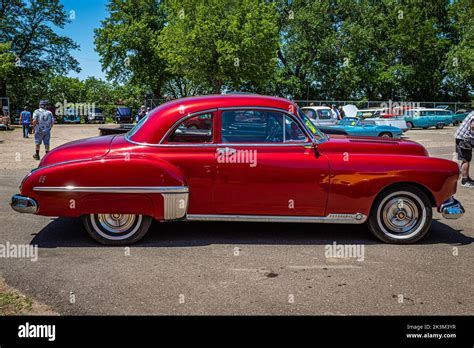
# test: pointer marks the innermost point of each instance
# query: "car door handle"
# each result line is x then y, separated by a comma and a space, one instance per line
226, 151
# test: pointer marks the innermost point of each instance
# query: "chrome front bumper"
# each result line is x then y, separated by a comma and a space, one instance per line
451, 209
24, 204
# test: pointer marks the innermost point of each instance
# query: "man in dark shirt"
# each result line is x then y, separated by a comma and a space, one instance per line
25, 120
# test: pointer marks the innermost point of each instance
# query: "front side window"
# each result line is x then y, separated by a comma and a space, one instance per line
259, 126
195, 129
293, 132
252, 126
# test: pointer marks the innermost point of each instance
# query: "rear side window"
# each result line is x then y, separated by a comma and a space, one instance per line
195, 129
324, 114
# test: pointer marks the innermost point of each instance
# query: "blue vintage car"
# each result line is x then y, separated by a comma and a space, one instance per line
458, 117
425, 118
360, 127
71, 116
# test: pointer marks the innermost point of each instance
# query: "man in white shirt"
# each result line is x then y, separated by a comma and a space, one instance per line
464, 142
43, 121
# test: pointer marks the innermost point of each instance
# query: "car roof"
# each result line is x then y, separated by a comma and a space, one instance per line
163, 117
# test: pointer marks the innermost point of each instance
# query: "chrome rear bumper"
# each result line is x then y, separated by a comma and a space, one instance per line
451, 209
24, 204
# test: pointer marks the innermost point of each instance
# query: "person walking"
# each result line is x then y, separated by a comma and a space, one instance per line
43, 122
464, 142
25, 120
335, 113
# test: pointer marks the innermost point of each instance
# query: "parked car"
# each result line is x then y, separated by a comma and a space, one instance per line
358, 127
321, 115
458, 117
232, 172
425, 118
95, 115
123, 115
377, 116
71, 116
121, 129
15, 117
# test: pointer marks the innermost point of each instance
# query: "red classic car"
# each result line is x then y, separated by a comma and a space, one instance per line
258, 159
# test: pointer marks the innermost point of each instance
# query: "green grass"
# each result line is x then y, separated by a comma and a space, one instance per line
12, 303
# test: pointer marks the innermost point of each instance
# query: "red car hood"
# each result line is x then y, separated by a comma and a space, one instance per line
79, 149
371, 145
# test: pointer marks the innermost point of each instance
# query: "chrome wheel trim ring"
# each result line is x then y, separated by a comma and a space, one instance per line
116, 226
401, 215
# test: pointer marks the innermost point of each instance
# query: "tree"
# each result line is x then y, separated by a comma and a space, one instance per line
220, 45
460, 58
7, 60
62, 89
127, 43
308, 51
26, 26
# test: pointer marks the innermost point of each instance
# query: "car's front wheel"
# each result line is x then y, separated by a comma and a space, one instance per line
401, 215
385, 135
116, 229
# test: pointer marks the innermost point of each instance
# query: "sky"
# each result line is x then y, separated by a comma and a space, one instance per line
85, 16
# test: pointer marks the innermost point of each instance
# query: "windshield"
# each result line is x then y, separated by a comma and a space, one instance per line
349, 121
311, 127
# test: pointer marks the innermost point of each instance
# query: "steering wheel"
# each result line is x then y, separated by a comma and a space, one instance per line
273, 136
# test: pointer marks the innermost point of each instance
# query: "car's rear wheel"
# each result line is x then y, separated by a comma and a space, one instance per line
401, 215
409, 125
116, 229
440, 126
385, 135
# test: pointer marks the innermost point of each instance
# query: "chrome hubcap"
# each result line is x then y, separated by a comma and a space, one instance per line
116, 223
400, 215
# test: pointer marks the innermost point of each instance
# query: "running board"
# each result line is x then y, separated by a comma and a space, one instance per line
357, 218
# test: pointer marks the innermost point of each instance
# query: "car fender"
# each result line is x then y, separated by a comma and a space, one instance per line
357, 179
127, 184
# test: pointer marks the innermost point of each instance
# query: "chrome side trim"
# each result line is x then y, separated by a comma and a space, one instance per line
175, 205
357, 218
451, 209
224, 144
114, 189
24, 204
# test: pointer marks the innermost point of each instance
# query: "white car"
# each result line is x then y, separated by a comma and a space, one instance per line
320, 115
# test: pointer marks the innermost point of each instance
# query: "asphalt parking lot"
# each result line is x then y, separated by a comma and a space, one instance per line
235, 268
